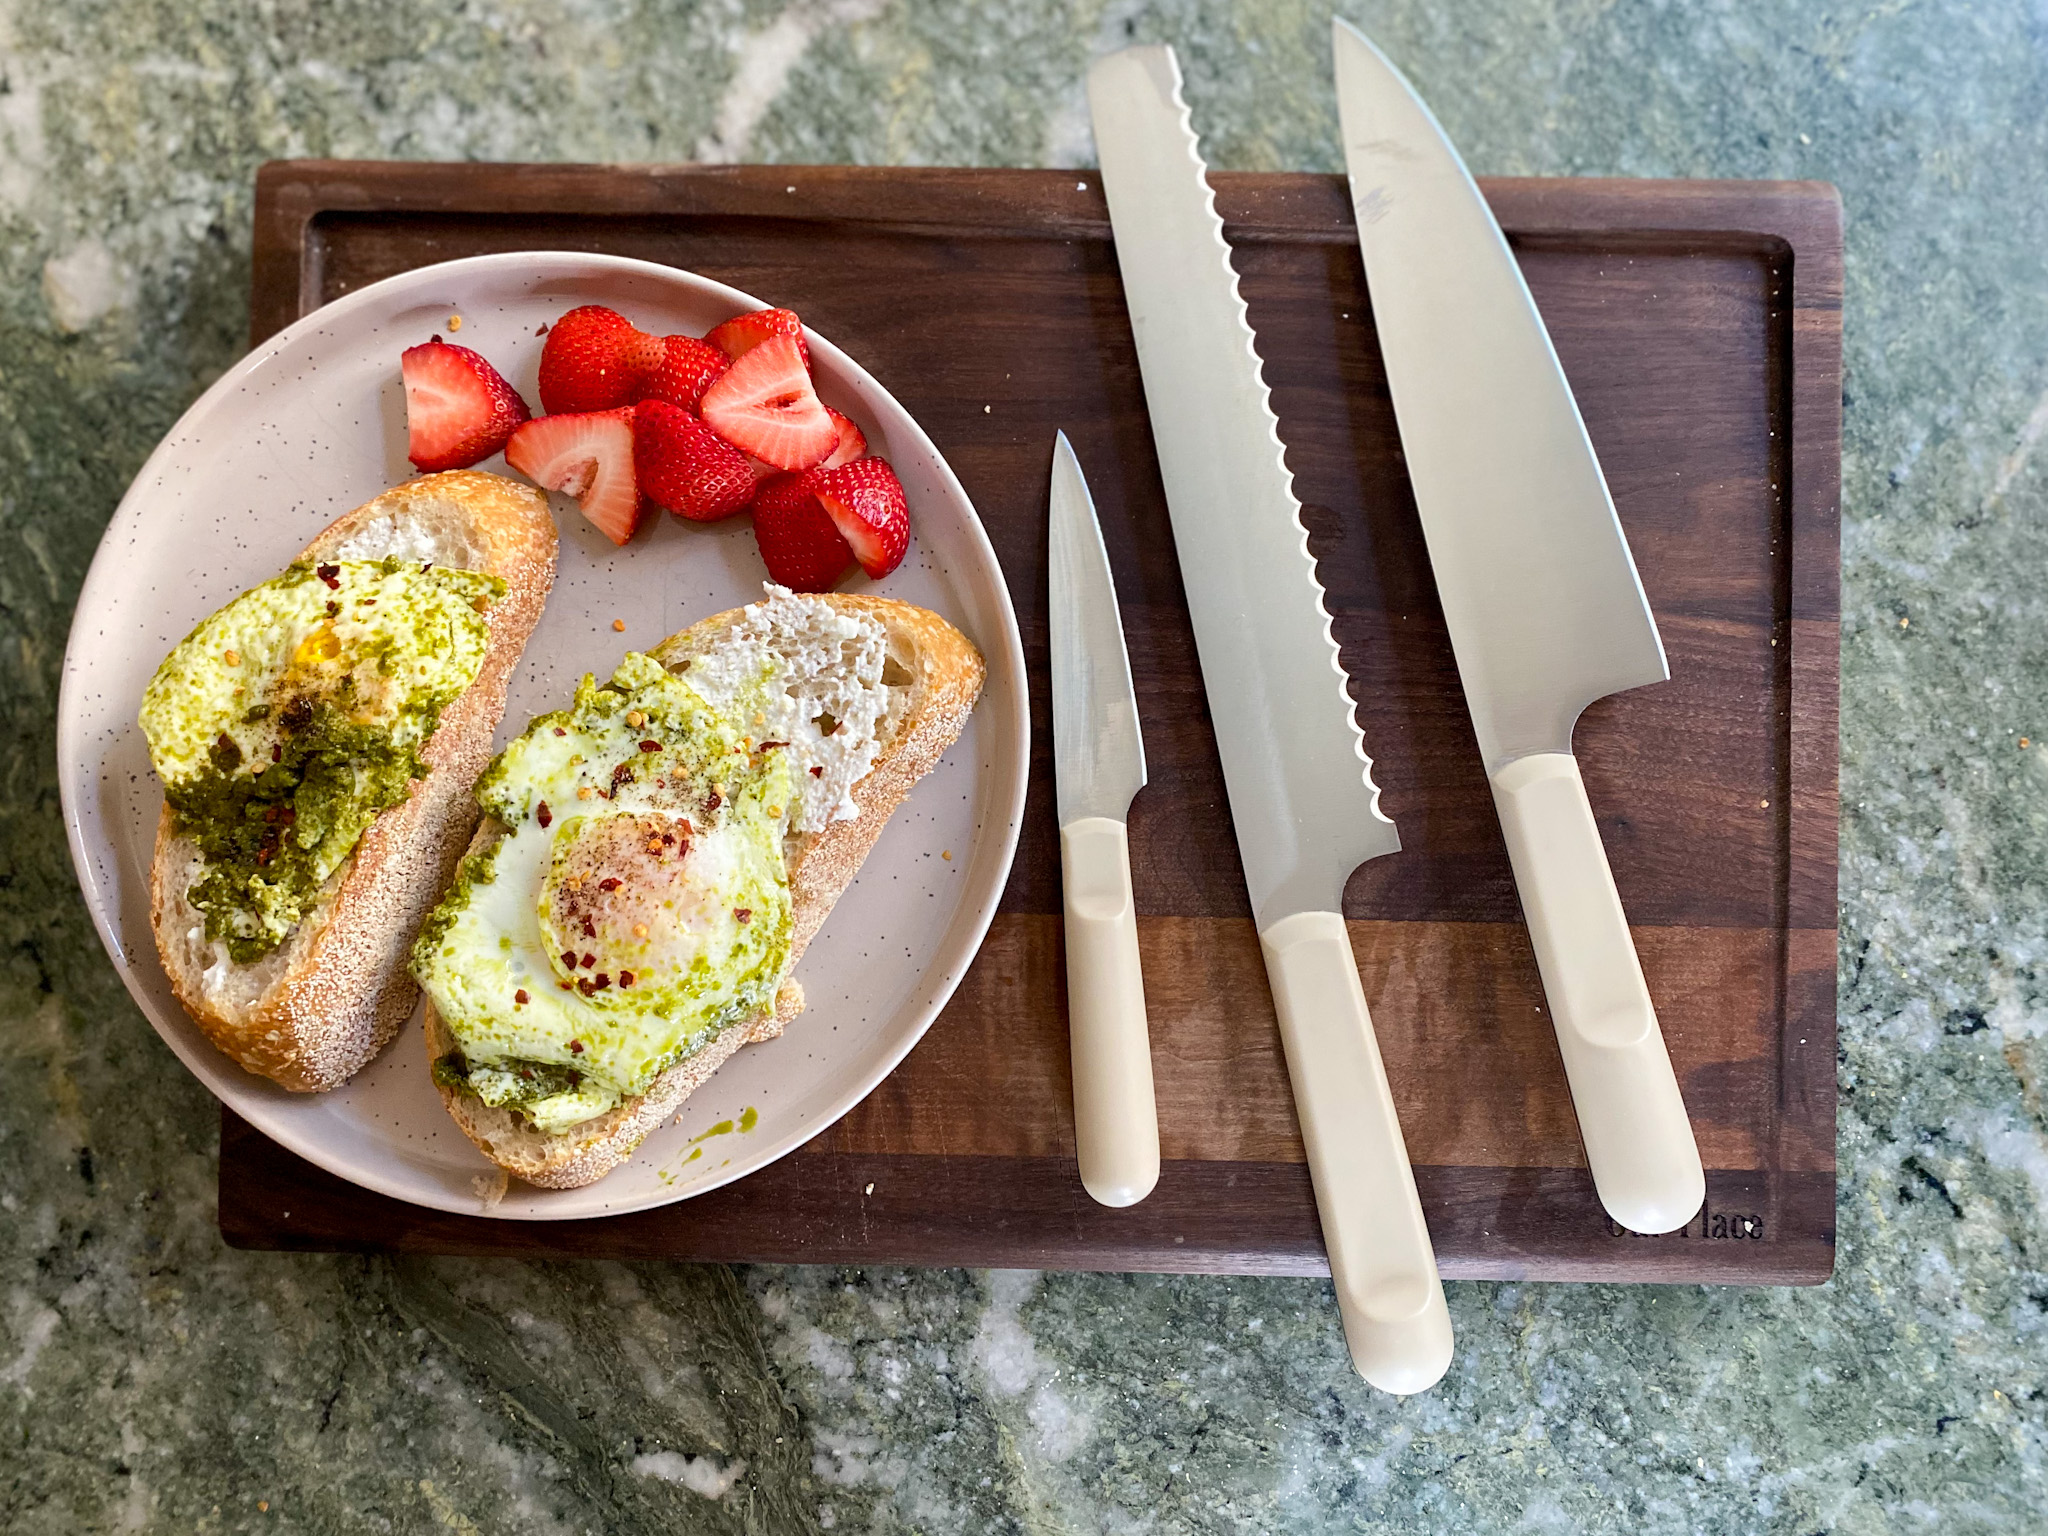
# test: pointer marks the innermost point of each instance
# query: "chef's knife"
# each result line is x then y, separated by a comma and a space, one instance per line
1098, 762
1546, 613
1294, 764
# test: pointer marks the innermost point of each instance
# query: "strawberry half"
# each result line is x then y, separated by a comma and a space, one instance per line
683, 465
799, 543
588, 455
865, 501
741, 334
687, 368
458, 408
595, 359
764, 405
852, 445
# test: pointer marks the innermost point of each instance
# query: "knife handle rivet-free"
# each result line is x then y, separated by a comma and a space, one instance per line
1116, 1121
1639, 1146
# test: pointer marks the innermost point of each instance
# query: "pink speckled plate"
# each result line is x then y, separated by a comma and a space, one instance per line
311, 424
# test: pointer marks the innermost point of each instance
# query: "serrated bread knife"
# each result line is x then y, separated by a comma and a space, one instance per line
1545, 611
1098, 765
1299, 782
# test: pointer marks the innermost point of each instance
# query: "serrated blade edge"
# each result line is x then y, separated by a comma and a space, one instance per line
1301, 791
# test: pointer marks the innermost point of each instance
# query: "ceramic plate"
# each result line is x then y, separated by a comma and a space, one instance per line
311, 424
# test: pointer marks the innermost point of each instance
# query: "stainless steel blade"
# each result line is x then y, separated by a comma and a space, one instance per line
1546, 612
1301, 791
1098, 754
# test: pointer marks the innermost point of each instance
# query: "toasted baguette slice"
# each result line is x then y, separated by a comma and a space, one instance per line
934, 674
317, 1008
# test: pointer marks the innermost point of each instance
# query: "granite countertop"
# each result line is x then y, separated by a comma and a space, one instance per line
151, 1379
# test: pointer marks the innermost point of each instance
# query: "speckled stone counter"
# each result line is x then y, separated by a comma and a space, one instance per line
150, 1379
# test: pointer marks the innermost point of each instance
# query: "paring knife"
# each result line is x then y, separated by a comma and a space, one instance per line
1299, 781
1546, 612
1098, 764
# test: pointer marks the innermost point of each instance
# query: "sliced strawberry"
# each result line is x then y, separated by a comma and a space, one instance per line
865, 502
800, 544
687, 368
764, 405
852, 444
685, 466
741, 334
595, 359
589, 455
458, 408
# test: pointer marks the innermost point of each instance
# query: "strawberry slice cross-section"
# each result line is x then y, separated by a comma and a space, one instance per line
458, 408
587, 455
764, 405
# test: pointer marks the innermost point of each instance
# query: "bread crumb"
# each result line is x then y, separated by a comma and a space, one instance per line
869, 1190
618, 626
2023, 742
455, 322
264, 1505
946, 853
490, 1187
584, 792
232, 658
1763, 805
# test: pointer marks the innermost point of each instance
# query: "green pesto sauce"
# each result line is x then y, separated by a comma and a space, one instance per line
286, 722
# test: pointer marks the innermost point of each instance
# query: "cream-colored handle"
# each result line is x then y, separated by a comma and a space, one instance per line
1380, 1256
1645, 1163
1116, 1122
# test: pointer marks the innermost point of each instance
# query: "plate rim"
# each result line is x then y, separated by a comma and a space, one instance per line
951, 965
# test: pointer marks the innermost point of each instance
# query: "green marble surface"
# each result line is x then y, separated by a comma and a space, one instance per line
150, 1379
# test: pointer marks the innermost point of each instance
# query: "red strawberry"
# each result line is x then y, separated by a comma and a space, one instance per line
458, 408
595, 359
852, 444
685, 466
741, 334
802, 548
865, 502
764, 405
590, 456
687, 368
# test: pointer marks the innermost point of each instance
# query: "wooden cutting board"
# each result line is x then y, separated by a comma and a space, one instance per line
1700, 325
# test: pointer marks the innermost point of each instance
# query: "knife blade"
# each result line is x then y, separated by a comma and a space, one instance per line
1540, 594
1294, 764
1098, 766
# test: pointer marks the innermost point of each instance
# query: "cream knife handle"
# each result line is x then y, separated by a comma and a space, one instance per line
1380, 1257
1639, 1144
1116, 1122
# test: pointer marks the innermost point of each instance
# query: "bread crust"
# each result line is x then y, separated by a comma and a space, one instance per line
341, 990
944, 678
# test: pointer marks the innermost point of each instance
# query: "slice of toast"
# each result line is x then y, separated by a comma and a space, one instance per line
934, 674
316, 1009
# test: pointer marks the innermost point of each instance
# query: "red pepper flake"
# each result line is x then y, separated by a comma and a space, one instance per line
560, 732
542, 331
543, 815
575, 1047
589, 932
743, 914
713, 801
566, 986
265, 854
604, 979
568, 959
766, 745
609, 883
589, 961
366, 602
333, 610
625, 978
277, 751
650, 746
817, 770
521, 998
331, 574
